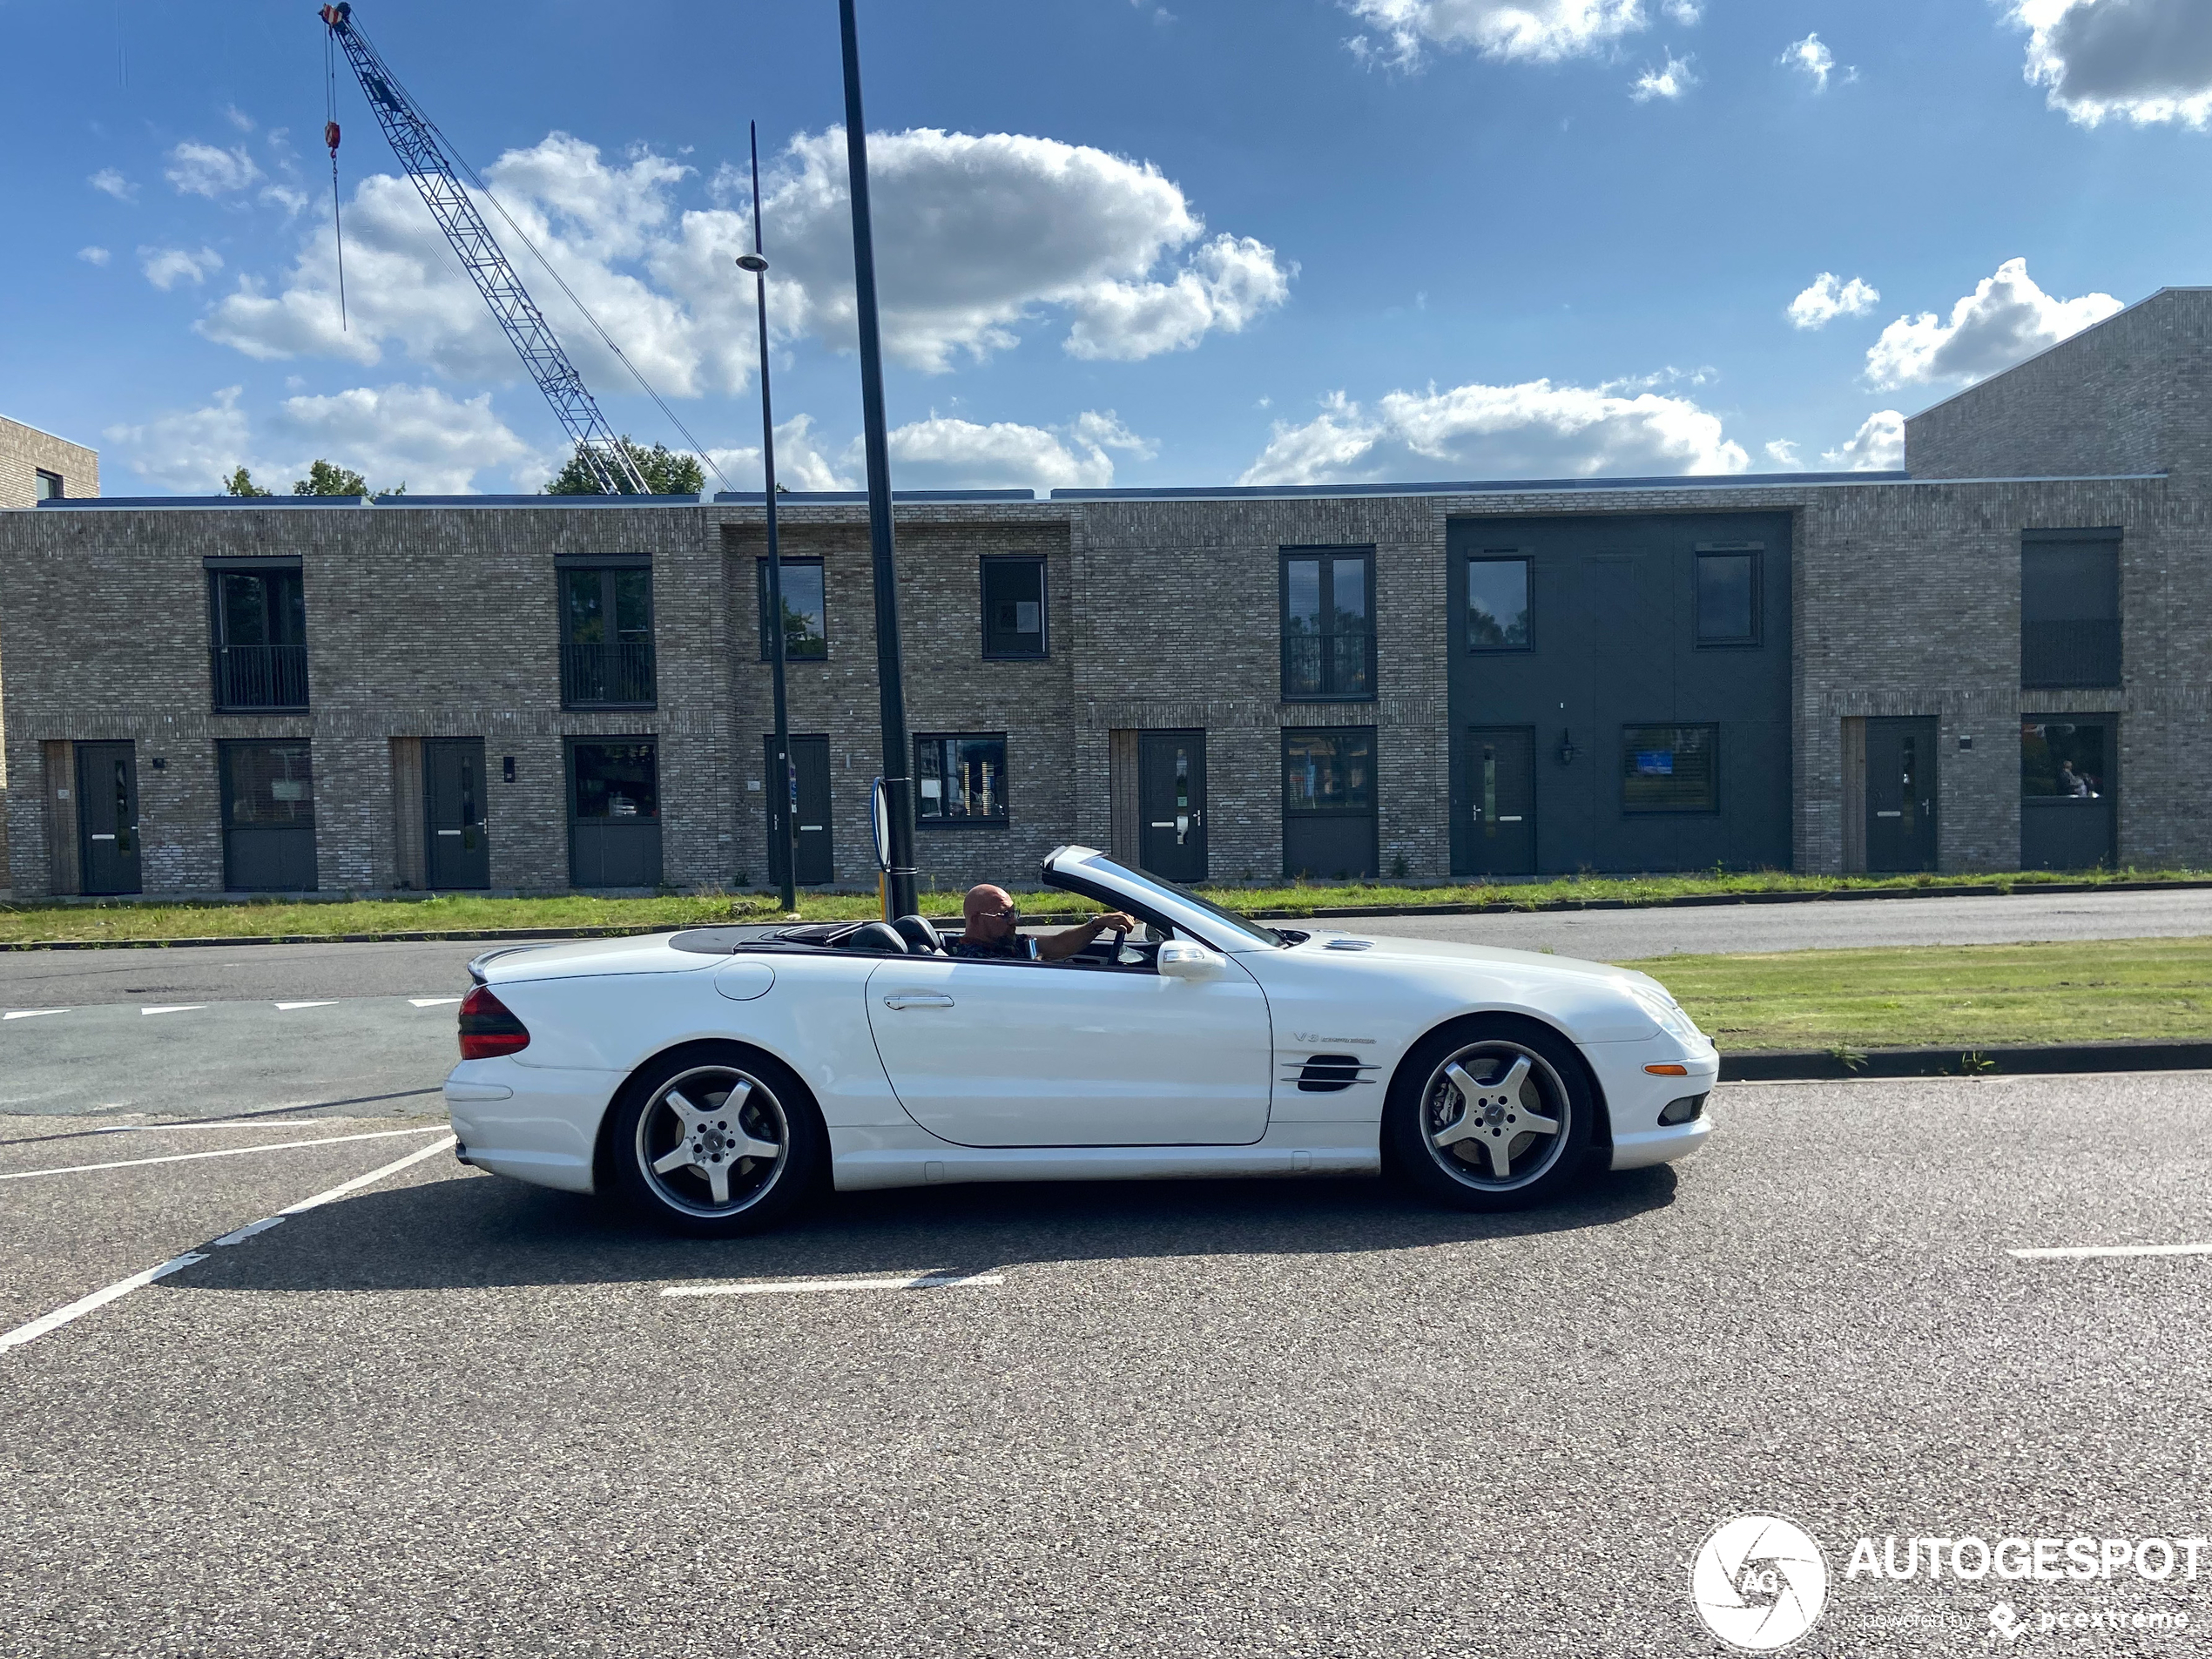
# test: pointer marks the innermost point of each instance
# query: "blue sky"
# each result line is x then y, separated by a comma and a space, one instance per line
1312, 240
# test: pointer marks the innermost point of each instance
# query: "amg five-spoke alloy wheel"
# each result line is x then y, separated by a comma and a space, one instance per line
1491, 1114
719, 1140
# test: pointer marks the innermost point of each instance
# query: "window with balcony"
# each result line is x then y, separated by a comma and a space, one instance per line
607, 636
805, 620
960, 779
1014, 612
1328, 625
2070, 608
47, 485
257, 628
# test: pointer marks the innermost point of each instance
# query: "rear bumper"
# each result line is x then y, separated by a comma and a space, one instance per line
532, 1122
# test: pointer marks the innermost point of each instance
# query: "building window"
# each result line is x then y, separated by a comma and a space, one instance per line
2062, 760
258, 621
268, 817
1329, 802
607, 636
1728, 598
614, 812
46, 486
1670, 768
2069, 610
960, 779
1497, 603
806, 625
1328, 626
1013, 607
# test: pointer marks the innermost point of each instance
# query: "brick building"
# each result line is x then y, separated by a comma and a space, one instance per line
36, 466
1994, 659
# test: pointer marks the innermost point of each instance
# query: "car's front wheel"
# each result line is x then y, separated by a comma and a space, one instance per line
1491, 1114
715, 1140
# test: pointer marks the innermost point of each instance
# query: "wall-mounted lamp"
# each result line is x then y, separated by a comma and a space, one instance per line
1566, 749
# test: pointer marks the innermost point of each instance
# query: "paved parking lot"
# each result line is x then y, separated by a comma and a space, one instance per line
444, 1414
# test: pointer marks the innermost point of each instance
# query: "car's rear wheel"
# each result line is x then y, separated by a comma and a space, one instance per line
717, 1140
1491, 1114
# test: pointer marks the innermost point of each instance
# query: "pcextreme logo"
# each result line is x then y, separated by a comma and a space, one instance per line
1758, 1582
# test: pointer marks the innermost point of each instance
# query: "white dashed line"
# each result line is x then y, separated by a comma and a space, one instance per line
285, 1007
432, 1002
176, 1008
2085, 1252
31, 1014
917, 1282
227, 1152
77, 1309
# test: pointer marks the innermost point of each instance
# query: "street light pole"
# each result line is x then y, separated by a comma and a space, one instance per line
898, 757
784, 815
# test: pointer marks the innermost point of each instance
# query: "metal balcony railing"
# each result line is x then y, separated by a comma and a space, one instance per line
607, 677
260, 676
1328, 665
2070, 653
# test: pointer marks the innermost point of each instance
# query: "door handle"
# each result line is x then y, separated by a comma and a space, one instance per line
917, 1000
449, 831
103, 838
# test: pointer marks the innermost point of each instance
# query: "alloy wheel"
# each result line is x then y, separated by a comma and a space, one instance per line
712, 1141
1495, 1115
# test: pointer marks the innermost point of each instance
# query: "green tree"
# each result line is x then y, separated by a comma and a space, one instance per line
241, 483
325, 479
666, 472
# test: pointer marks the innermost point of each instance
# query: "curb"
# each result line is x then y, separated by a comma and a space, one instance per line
1822, 1064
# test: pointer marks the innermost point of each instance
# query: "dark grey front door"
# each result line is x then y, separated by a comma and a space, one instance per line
614, 812
456, 849
268, 817
107, 817
1501, 782
809, 765
1901, 794
1171, 803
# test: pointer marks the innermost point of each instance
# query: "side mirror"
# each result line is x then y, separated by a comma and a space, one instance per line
1181, 959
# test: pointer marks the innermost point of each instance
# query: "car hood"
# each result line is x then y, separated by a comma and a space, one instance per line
1437, 953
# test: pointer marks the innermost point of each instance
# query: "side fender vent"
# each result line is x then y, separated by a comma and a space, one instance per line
1324, 1073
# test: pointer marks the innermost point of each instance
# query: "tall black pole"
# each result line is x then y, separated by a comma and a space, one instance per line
783, 814
898, 760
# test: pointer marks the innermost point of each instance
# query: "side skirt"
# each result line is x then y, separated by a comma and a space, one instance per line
872, 1157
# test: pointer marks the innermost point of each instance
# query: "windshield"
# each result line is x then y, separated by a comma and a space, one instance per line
1180, 894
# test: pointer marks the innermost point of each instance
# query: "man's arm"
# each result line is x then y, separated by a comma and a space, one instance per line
1053, 948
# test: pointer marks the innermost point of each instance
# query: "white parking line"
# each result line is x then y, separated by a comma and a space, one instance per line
31, 1014
916, 1282
123, 1287
227, 1152
432, 1002
2085, 1252
176, 1008
285, 1007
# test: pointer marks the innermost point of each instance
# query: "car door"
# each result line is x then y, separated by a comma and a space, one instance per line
1032, 1054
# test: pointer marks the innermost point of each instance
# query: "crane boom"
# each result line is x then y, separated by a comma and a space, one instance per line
416, 141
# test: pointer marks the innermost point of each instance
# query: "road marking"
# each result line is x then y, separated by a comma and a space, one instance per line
123, 1287
917, 1282
2085, 1252
288, 1006
235, 1122
31, 1014
227, 1152
176, 1008
432, 1002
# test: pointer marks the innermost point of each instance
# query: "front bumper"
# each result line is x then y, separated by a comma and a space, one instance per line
533, 1122
1635, 1098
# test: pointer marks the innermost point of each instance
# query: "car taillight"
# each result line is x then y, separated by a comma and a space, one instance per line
489, 1028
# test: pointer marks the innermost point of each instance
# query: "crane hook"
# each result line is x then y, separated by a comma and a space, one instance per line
330, 137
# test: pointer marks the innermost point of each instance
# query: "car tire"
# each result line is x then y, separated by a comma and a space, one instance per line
1491, 1113
683, 1156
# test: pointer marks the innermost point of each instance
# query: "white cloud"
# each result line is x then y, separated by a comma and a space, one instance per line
285, 196
2146, 61
1784, 453
197, 169
1813, 58
1877, 446
1827, 299
1533, 430
190, 450
1670, 82
945, 453
238, 117
2006, 318
974, 236
415, 434
93, 255
1685, 12
801, 462
1539, 31
110, 182
167, 267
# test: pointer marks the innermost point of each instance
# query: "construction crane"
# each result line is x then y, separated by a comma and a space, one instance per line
430, 162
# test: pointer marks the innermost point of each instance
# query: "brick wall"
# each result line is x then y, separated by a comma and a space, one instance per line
26, 451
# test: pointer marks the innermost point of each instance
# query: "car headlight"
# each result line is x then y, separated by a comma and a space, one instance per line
1667, 1014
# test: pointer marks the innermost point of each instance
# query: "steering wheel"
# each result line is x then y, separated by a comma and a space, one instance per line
1113, 951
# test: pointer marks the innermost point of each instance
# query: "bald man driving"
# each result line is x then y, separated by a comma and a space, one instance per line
989, 930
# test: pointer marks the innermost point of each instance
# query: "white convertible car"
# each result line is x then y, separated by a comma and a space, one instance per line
717, 1077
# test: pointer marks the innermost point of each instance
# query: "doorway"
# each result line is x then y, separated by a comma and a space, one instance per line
810, 801
1171, 803
107, 817
1502, 783
457, 848
1901, 794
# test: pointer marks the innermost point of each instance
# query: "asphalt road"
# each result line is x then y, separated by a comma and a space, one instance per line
449, 1415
